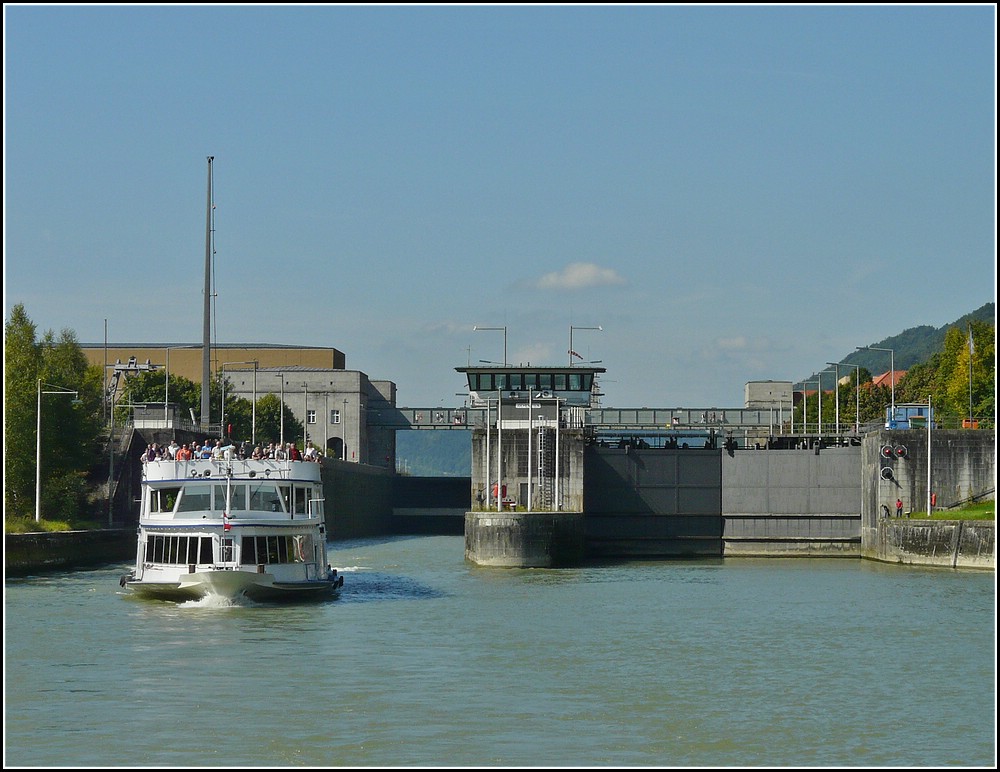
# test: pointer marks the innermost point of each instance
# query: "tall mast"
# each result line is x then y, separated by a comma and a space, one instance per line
206, 346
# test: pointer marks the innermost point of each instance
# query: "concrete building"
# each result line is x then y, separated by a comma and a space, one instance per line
766, 395
332, 403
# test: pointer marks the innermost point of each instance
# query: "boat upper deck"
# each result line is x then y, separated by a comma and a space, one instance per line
236, 469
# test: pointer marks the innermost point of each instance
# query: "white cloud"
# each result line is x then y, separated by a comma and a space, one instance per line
736, 343
579, 276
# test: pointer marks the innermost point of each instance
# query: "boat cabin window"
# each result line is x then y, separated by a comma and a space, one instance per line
264, 498
195, 498
163, 499
276, 549
178, 550
296, 498
237, 497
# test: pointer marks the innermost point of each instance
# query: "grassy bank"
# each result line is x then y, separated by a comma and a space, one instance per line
983, 510
28, 525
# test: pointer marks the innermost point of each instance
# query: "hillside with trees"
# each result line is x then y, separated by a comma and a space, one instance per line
954, 365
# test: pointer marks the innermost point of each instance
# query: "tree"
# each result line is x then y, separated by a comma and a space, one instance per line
69, 431
269, 420
961, 358
239, 416
945, 376
22, 364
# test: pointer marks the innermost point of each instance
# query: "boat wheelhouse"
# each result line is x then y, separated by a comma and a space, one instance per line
232, 528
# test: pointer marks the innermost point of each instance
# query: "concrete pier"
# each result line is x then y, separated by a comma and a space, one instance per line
525, 539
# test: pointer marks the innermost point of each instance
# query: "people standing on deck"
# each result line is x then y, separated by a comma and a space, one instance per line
280, 453
293, 452
257, 454
184, 453
310, 453
172, 449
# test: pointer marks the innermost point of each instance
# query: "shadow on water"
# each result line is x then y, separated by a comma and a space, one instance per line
362, 586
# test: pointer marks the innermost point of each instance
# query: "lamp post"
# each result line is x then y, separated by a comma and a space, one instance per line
892, 376
38, 441
281, 411
478, 328
530, 508
836, 391
857, 398
571, 352
805, 404
929, 422
305, 415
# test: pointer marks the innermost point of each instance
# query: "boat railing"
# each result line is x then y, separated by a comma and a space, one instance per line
222, 467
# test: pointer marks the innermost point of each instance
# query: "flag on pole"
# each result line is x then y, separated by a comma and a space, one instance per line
225, 521
571, 351
972, 346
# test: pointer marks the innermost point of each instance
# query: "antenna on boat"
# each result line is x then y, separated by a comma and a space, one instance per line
206, 350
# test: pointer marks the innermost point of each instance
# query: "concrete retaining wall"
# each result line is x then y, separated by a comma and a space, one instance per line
358, 499
963, 467
945, 543
29, 553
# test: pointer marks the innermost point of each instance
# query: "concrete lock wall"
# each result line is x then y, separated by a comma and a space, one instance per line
513, 449
648, 502
358, 499
792, 503
963, 468
943, 543
525, 539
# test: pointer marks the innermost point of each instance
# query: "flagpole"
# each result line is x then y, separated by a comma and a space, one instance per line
972, 348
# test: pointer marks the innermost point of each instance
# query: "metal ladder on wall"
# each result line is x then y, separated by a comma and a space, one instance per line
546, 468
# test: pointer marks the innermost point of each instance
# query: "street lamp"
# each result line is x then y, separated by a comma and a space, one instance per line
571, 352
281, 411
305, 415
38, 441
892, 376
836, 390
857, 398
478, 328
805, 404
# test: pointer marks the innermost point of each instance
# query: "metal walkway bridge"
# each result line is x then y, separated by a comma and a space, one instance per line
602, 419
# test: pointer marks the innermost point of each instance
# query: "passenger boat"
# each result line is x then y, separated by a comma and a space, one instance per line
232, 528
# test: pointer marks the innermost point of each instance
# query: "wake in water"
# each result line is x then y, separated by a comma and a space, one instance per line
216, 601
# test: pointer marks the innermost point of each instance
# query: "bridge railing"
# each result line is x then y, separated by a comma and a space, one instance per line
685, 418
598, 418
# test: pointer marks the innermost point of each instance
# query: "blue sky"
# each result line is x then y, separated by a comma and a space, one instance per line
731, 193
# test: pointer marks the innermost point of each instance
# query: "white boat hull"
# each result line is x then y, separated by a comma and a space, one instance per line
233, 585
